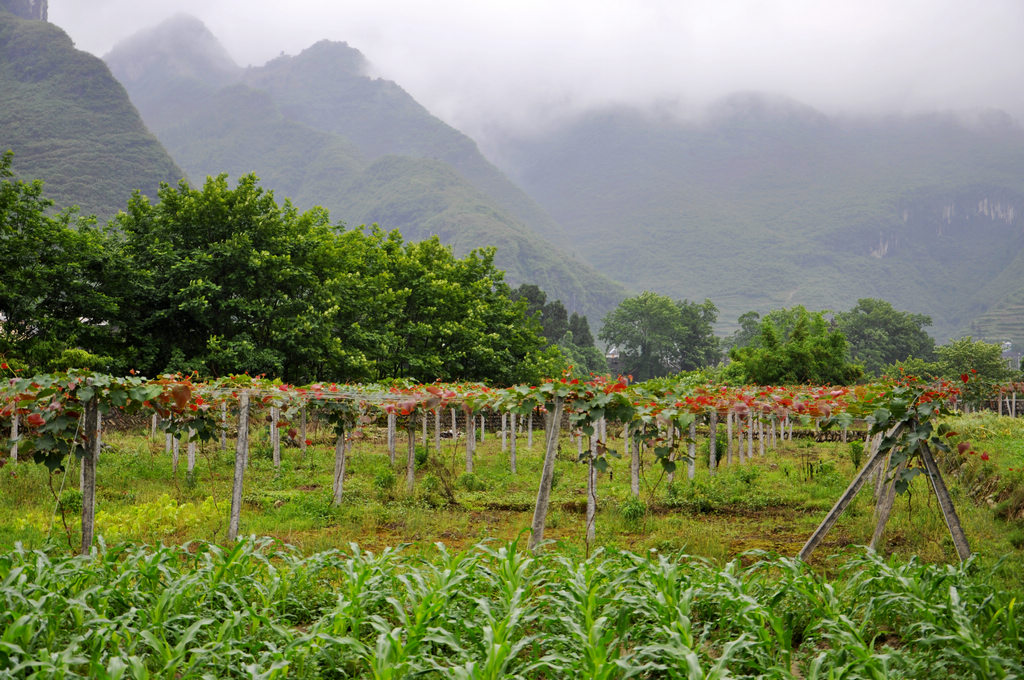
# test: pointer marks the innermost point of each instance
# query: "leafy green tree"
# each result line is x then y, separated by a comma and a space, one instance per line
880, 335
750, 328
809, 353
981, 363
50, 298
456, 321
580, 329
656, 336
223, 280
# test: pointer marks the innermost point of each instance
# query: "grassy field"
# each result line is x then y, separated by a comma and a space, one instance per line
697, 580
770, 503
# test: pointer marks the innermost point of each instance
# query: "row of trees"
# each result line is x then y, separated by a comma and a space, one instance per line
656, 336
224, 280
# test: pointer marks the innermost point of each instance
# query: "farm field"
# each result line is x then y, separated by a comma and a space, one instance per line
697, 580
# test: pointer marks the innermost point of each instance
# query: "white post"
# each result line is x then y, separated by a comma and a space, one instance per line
224, 426
634, 462
691, 450
712, 441
529, 432
176, 450
591, 492
470, 440
728, 436
14, 438
302, 433
437, 429
191, 451
512, 454
241, 459
275, 436
392, 419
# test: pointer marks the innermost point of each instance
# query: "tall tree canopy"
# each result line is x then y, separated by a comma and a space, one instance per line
224, 280
809, 352
50, 297
880, 335
656, 336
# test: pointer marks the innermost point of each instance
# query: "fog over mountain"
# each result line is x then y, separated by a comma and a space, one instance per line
484, 66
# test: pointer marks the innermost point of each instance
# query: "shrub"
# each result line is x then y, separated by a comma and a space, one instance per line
856, 453
633, 511
384, 482
470, 482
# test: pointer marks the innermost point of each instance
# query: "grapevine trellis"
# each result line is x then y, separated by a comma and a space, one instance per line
56, 416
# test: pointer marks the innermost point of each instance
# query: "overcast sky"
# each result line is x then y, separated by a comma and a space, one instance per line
480, 63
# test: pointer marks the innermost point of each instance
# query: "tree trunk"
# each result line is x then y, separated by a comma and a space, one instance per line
437, 430
529, 432
483, 427
175, 454
91, 454
504, 432
241, 460
540, 510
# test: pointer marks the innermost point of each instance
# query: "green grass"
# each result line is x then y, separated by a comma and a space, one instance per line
693, 580
772, 502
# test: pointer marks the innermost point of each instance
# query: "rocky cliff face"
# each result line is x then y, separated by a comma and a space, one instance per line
26, 9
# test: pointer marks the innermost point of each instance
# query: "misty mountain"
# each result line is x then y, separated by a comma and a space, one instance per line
316, 130
765, 203
69, 122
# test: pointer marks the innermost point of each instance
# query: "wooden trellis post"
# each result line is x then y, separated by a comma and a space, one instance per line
592, 492
392, 435
540, 510
691, 450
410, 461
89, 458
14, 438
712, 440
241, 460
512, 448
191, 452
876, 459
470, 440
275, 436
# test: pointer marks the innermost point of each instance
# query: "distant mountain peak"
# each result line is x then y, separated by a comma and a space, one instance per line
180, 46
766, 107
337, 56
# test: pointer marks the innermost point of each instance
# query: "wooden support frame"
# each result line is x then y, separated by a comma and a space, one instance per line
887, 497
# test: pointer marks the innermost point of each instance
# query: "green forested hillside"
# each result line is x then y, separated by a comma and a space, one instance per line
317, 132
767, 203
70, 123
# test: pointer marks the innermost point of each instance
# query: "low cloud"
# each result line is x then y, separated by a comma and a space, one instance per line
502, 65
